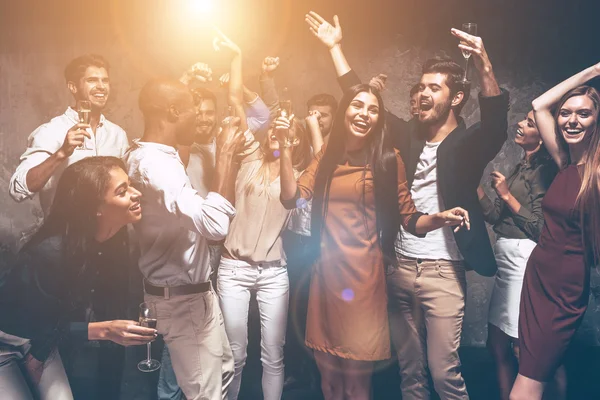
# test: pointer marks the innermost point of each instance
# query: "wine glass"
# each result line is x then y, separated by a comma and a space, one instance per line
471, 29
84, 109
285, 110
148, 320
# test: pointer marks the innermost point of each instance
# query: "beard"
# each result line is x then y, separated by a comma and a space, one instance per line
440, 112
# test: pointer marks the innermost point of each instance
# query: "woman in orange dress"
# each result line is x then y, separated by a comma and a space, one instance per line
360, 198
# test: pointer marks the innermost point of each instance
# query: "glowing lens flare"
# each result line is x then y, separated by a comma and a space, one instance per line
201, 6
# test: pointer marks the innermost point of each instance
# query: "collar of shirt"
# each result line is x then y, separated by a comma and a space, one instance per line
172, 151
74, 116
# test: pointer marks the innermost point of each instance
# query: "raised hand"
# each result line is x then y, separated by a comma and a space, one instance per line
75, 138
283, 130
221, 42
270, 64
500, 185
231, 138
312, 119
329, 35
378, 82
200, 72
224, 79
474, 45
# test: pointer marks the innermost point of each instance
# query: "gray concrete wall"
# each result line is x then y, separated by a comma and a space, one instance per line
36, 44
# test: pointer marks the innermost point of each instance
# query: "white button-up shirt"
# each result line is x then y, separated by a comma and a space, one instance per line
177, 221
109, 140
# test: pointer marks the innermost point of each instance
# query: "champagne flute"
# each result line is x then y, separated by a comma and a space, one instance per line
84, 109
148, 320
471, 29
285, 110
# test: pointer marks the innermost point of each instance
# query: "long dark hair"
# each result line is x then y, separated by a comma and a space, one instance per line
79, 194
381, 161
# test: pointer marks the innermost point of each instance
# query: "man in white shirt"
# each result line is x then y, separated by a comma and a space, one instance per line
56, 144
173, 237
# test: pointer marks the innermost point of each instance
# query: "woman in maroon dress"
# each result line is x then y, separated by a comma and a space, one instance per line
557, 280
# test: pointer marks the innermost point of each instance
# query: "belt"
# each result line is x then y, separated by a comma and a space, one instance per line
167, 292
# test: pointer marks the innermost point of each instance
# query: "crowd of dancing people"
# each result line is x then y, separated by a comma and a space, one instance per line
354, 223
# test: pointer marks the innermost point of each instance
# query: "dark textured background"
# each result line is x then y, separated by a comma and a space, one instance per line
532, 44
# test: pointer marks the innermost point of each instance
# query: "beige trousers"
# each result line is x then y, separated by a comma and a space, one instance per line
193, 329
426, 309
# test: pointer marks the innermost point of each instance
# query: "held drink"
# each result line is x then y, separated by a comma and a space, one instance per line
148, 322
84, 116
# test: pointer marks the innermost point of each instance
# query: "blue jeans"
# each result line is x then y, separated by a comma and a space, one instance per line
168, 389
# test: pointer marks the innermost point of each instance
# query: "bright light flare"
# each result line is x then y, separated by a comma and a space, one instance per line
201, 6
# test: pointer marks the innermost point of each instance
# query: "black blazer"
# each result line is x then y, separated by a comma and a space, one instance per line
462, 158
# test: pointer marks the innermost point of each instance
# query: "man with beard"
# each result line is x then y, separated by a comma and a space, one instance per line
427, 286
56, 144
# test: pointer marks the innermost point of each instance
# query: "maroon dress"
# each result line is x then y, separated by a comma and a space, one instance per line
556, 286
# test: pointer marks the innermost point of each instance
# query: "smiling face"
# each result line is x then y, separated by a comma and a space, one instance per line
528, 135
577, 119
94, 86
361, 116
206, 119
435, 98
121, 203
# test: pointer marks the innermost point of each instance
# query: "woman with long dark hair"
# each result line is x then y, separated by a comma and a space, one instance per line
516, 215
556, 285
360, 198
66, 278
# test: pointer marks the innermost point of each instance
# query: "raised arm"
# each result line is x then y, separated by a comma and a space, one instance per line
331, 37
236, 85
316, 136
542, 110
268, 89
41, 160
474, 45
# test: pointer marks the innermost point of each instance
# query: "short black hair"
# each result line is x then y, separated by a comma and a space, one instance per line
414, 90
454, 75
200, 94
323, 99
75, 70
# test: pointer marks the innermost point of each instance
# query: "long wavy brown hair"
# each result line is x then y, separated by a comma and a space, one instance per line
588, 198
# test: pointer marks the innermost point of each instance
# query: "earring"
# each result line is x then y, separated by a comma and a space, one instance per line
98, 214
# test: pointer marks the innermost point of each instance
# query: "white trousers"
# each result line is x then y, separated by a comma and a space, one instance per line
235, 281
53, 385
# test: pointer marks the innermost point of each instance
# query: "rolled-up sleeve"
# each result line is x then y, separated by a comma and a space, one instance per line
491, 211
257, 114
209, 217
40, 146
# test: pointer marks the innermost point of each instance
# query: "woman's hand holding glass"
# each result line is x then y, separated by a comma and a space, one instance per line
285, 131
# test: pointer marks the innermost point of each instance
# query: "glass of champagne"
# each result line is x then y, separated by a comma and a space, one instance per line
148, 320
285, 110
471, 29
84, 109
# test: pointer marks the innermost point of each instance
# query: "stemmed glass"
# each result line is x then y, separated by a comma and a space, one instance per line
84, 109
285, 110
471, 29
148, 320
